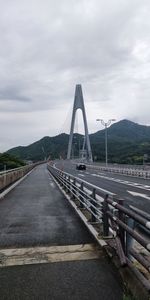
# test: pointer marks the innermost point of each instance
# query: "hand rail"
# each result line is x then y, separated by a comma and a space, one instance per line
115, 220
124, 171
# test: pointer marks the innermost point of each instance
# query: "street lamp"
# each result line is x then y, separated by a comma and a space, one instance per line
106, 124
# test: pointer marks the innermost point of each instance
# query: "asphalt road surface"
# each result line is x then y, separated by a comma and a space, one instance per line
135, 191
76, 280
36, 214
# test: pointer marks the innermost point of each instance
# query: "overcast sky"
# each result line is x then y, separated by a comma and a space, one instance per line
49, 46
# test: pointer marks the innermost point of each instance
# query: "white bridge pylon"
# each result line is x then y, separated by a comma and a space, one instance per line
79, 104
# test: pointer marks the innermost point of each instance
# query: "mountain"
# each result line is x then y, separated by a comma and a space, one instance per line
46, 147
127, 143
126, 130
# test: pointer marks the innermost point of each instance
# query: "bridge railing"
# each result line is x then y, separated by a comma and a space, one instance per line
124, 171
127, 229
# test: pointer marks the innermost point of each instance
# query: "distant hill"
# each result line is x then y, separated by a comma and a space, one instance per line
127, 143
46, 147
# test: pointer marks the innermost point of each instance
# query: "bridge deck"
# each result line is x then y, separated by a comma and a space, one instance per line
35, 214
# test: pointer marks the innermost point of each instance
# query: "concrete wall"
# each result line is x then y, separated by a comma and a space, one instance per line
8, 178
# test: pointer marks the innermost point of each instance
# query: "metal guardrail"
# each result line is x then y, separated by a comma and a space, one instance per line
113, 221
124, 171
123, 166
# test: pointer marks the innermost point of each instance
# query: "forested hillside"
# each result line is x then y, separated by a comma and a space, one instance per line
127, 143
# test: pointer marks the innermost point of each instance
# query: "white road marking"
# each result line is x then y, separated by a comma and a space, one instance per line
138, 185
139, 195
81, 175
101, 173
97, 187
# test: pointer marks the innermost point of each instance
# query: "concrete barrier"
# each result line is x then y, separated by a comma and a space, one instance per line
9, 177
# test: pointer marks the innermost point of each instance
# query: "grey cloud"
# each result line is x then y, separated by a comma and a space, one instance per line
47, 47
12, 93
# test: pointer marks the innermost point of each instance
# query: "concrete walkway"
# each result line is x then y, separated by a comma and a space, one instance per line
51, 254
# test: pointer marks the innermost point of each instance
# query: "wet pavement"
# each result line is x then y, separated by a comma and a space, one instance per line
36, 214
78, 280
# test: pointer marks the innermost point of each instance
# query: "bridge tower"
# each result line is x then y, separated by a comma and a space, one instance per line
79, 104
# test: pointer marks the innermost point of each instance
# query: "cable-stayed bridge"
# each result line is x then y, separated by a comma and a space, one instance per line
72, 234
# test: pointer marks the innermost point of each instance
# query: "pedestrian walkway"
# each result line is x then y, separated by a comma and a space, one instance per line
45, 250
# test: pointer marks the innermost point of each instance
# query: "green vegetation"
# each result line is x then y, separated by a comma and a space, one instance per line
47, 147
9, 162
127, 143
128, 297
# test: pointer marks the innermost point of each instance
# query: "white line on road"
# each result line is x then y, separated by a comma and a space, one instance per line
137, 185
139, 195
96, 175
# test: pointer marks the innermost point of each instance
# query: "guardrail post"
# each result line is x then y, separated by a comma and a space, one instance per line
129, 238
93, 218
57, 177
69, 184
81, 196
121, 217
63, 179
66, 183
73, 189
105, 217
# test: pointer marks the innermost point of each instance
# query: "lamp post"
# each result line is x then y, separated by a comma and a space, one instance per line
106, 124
